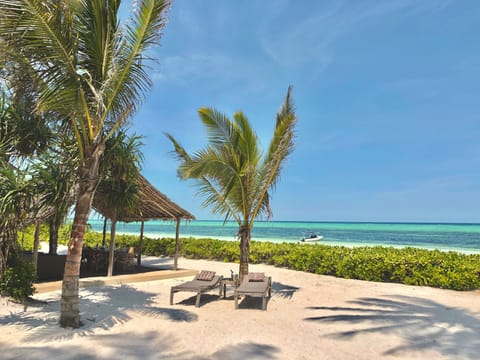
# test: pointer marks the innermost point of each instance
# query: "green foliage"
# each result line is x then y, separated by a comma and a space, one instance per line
411, 266
17, 281
25, 237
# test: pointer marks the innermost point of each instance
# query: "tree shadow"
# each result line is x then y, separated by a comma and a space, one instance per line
422, 324
283, 291
243, 351
204, 299
159, 263
101, 308
150, 345
252, 302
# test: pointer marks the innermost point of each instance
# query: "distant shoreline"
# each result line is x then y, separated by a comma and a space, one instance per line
322, 222
463, 238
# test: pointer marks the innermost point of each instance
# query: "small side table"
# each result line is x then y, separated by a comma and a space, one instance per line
231, 281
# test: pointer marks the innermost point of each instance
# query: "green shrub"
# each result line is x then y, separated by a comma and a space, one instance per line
411, 266
17, 281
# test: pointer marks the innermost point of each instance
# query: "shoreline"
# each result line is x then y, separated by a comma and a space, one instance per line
326, 242
462, 238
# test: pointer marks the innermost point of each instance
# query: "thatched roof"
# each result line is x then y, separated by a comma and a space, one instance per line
153, 205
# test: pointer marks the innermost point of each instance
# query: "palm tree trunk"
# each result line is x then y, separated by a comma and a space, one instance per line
8, 238
244, 235
88, 181
53, 226
36, 244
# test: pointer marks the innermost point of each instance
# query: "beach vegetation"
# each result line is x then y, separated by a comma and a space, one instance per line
90, 74
117, 192
409, 265
17, 280
232, 174
56, 184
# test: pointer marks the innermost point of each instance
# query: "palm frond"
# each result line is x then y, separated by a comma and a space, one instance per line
248, 144
210, 173
281, 146
220, 129
129, 81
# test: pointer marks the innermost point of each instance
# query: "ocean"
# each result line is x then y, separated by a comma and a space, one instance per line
455, 237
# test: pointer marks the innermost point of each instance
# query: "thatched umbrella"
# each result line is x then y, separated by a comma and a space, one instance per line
153, 205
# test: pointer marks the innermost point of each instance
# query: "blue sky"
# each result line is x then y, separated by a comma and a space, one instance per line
387, 96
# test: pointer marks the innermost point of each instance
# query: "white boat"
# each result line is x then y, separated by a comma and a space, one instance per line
312, 238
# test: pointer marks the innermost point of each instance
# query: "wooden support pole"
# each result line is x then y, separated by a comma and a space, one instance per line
104, 231
111, 252
177, 245
140, 245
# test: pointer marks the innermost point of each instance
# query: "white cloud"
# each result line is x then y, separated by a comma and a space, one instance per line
183, 68
218, 70
310, 38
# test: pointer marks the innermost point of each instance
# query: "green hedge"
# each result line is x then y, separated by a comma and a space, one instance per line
411, 266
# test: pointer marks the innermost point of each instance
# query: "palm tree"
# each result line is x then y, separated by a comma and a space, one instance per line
16, 206
56, 184
232, 174
90, 71
118, 189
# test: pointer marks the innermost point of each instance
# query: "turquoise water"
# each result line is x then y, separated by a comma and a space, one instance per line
458, 237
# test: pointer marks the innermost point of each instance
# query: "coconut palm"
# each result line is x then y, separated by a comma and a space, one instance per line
231, 172
90, 71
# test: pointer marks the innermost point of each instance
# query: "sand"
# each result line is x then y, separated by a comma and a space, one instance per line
308, 317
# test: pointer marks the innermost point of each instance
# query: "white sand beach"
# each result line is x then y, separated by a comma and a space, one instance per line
308, 317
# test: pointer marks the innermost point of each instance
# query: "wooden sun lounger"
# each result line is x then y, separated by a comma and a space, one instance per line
254, 288
198, 286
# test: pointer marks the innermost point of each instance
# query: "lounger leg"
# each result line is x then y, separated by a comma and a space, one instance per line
264, 302
197, 303
235, 296
171, 296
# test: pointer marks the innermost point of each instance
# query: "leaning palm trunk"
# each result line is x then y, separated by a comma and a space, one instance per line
90, 72
70, 311
244, 235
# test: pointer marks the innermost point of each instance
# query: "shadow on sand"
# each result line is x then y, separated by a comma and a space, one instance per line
101, 308
243, 351
283, 291
150, 345
205, 299
422, 324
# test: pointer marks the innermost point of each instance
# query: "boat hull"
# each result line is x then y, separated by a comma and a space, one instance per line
312, 239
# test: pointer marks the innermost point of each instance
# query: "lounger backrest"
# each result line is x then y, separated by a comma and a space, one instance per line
256, 277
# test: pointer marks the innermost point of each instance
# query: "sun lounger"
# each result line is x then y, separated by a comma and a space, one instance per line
203, 282
256, 285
